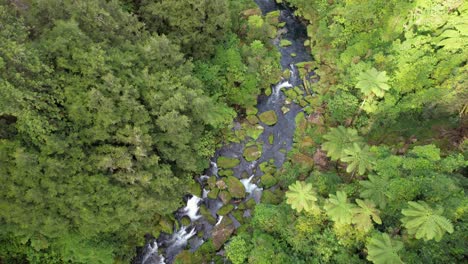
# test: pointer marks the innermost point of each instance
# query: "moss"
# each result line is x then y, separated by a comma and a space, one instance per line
254, 131
222, 172
293, 54
268, 91
282, 24
213, 194
268, 117
252, 153
212, 182
238, 214
270, 139
286, 73
303, 103
235, 187
251, 111
166, 225
225, 209
250, 203
252, 119
225, 162
298, 91
270, 197
285, 43
207, 215
185, 221
225, 196
268, 180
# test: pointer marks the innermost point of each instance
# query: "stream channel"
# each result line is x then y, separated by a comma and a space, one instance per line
164, 248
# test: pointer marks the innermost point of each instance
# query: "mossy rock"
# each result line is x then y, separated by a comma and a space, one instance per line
264, 166
250, 204
286, 74
282, 24
226, 209
290, 94
251, 111
285, 109
268, 117
195, 189
207, 215
252, 153
268, 91
269, 197
226, 173
299, 118
303, 103
235, 187
241, 206
252, 119
227, 163
285, 43
238, 215
254, 131
212, 182
221, 184
293, 54
267, 180
298, 91
307, 43
185, 221
225, 196
213, 194
271, 139
222, 232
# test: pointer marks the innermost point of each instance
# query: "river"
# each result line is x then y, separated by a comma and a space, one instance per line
276, 149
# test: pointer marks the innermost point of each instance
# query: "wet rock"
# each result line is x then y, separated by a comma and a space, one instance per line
227, 163
207, 215
225, 196
213, 194
252, 153
225, 209
185, 221
285, 43
268, 117
270, 197
252, 119
235, 187
268, 180
222, 232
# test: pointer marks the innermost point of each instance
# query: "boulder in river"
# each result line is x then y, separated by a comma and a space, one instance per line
235, 187
222, 232
268, 117
252, 153
227, 163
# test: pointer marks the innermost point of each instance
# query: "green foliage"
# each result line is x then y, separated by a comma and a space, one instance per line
382, 249
425, 222
373, 82
364, 213
338, 139
359, 158
339, 209
374, 189
237, 250
301, 196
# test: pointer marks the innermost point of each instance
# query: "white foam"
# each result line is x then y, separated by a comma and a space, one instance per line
220, 218
249, 187
191, 210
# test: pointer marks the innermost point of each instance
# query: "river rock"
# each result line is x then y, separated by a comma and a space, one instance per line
252, 153
225, 196
235, 187
195, 189
185, 221
253, 131
225, 209
268, 117
252, 119
268, 180
227, 163
213, 194
222, 232
207, 215
285, 43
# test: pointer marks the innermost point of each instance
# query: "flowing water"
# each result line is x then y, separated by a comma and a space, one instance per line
282, 131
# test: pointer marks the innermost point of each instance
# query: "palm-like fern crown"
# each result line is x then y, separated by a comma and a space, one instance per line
339, 139
359, 158
374, 189
425, 222
301, 196
373, 82
339, 209
381, 249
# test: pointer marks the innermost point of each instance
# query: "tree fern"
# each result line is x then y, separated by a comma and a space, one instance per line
364, 213
424, 222
374, 189
338, 139
339, 209
381, 249
301, 196
359, 158
373, 82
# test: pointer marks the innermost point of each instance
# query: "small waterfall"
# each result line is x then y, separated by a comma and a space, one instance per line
249, 187
279, 86
205, 193
191, 210
151, 256
178, 241
214, 168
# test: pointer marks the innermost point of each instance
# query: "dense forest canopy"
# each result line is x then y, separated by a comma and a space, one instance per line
108, 109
